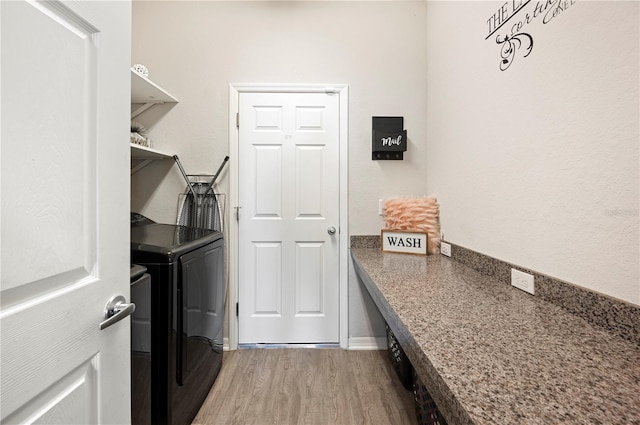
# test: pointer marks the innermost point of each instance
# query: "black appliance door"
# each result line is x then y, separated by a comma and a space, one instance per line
200, 321
141, 347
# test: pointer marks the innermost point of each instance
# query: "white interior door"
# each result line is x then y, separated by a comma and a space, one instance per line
288, 260
64, 216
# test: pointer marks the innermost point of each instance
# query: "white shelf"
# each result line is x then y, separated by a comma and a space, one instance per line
145, 156
147, 93
142, 152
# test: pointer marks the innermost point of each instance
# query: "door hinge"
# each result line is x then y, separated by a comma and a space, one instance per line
237, 213
237, 309
237, 119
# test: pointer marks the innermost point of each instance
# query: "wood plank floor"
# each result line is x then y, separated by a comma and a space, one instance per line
307, 386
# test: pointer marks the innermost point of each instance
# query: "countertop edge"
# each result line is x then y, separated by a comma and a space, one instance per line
444, 398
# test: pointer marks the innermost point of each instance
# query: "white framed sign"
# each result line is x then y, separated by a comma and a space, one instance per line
403, 241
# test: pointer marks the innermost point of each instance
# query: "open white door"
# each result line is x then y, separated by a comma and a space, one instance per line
64, 217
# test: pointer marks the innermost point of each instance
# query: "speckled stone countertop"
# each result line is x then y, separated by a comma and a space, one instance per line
492, 354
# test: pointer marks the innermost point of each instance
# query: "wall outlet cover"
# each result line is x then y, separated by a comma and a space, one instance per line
522, 280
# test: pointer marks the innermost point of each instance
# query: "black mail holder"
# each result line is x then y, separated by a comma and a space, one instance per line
389, 138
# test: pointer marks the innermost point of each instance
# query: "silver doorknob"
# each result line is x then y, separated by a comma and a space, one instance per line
116, 310
331, 230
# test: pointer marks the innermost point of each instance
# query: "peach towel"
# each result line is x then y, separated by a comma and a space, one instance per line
415, 214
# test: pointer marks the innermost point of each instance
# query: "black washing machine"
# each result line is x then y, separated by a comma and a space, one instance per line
179, 362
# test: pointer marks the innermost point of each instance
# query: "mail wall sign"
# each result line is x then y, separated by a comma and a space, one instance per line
389, 138
404, 242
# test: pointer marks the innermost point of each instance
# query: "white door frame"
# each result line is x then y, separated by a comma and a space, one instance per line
340, 90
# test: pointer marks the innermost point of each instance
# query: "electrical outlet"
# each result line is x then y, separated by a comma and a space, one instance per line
522, 280
445, 249
380, 206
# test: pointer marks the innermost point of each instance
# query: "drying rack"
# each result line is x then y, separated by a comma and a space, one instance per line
199, 206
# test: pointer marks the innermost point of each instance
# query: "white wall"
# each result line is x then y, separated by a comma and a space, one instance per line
538, 165
196, 49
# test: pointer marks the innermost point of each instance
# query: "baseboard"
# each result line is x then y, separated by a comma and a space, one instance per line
355, 343
367, 343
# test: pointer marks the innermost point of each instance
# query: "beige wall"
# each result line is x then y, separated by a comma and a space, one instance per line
196, 49
538, 165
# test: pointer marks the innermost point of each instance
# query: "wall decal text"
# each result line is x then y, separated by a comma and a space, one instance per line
509, 34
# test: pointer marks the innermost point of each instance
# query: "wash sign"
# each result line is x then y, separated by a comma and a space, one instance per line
404, 242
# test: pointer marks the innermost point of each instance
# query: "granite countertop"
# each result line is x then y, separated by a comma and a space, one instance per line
491, 354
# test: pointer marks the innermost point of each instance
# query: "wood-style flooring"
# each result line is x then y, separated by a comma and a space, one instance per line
307, 386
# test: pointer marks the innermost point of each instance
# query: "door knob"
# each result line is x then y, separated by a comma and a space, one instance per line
331, 230
116, 310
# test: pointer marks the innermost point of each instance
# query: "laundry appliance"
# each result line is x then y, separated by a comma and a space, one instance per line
186, 314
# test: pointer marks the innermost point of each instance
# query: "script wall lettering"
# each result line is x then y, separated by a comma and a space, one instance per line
392, 141
509, 25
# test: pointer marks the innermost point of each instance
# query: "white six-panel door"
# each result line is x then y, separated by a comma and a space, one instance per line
64, 216
288, 260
